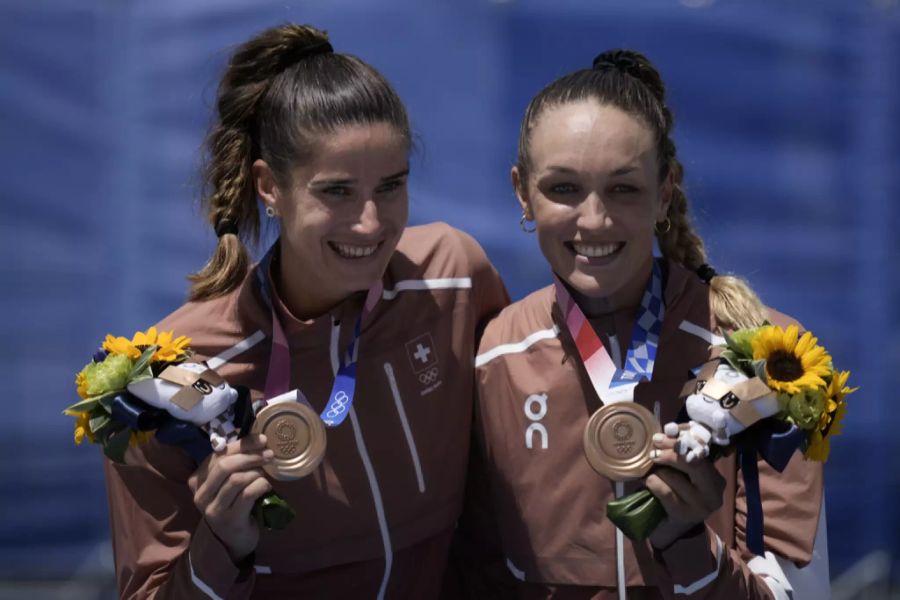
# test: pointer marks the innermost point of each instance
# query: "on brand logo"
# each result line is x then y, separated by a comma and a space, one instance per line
535, 410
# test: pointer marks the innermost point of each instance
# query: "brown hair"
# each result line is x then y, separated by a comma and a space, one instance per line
281, 89
629, 81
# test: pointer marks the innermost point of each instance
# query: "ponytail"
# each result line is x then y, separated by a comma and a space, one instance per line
280, 89
629, 81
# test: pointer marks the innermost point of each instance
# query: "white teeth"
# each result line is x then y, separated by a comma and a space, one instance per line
348, 251
595, 251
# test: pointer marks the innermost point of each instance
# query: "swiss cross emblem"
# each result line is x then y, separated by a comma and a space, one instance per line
421, 352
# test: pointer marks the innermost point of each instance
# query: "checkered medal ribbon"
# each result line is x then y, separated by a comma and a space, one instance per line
641, 356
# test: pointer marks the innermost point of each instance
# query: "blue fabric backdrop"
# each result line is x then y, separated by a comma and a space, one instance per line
787, 123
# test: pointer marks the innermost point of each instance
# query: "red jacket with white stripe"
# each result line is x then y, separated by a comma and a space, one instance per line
375, 519
535, 523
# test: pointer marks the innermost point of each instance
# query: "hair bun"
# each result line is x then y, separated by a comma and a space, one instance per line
303, 50
623, 61
635, 64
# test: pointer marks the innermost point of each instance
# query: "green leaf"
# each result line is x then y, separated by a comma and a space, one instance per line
116, 445
143, 363
730, 343
106, 431
99, 422
106, 401
759, 368
741, 341
82, 406
731, 358
146, 374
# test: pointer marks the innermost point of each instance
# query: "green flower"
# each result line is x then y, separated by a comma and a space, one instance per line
741, 341
111, 375
804, 408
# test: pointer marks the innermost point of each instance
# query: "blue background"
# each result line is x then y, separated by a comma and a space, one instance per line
786, 121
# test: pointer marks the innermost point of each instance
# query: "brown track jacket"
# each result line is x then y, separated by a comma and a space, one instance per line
375, 519
532, 488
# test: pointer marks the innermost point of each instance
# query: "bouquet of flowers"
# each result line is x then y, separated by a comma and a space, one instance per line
771, 392
135, 389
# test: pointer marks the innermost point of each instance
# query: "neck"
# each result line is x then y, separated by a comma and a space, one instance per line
303, 301
621, 303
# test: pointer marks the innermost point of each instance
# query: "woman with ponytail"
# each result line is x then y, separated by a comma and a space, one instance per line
599, 181
351, 314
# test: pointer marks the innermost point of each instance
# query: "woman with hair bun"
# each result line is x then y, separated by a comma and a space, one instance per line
348, 299
598, 176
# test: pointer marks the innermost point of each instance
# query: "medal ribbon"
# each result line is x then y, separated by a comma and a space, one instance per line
611, 383
278, 376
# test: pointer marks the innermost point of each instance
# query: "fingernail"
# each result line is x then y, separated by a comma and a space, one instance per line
268, 454
658, 437
262, 439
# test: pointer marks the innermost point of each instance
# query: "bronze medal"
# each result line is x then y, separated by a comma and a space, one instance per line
618, 439
296, 434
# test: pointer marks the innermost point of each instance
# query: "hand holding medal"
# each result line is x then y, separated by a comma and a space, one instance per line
772, 393
133, 389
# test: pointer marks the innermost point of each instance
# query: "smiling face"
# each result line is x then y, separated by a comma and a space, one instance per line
341, 215
594, 193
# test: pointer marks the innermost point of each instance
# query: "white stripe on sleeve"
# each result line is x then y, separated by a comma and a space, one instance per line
700, 332
201, 585
768, 567
705, 581
242, 346
516, 572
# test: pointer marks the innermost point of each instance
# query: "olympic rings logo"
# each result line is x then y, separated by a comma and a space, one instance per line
338, 404
429, 376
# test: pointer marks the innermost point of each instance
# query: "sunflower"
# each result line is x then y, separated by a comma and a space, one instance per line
83, 428
145, 339
792, 365
81, 384
820, 439
120, 345
830, 422
170, 349
838, 388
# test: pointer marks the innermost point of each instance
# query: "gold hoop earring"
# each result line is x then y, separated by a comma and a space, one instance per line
668, 227
522, 226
